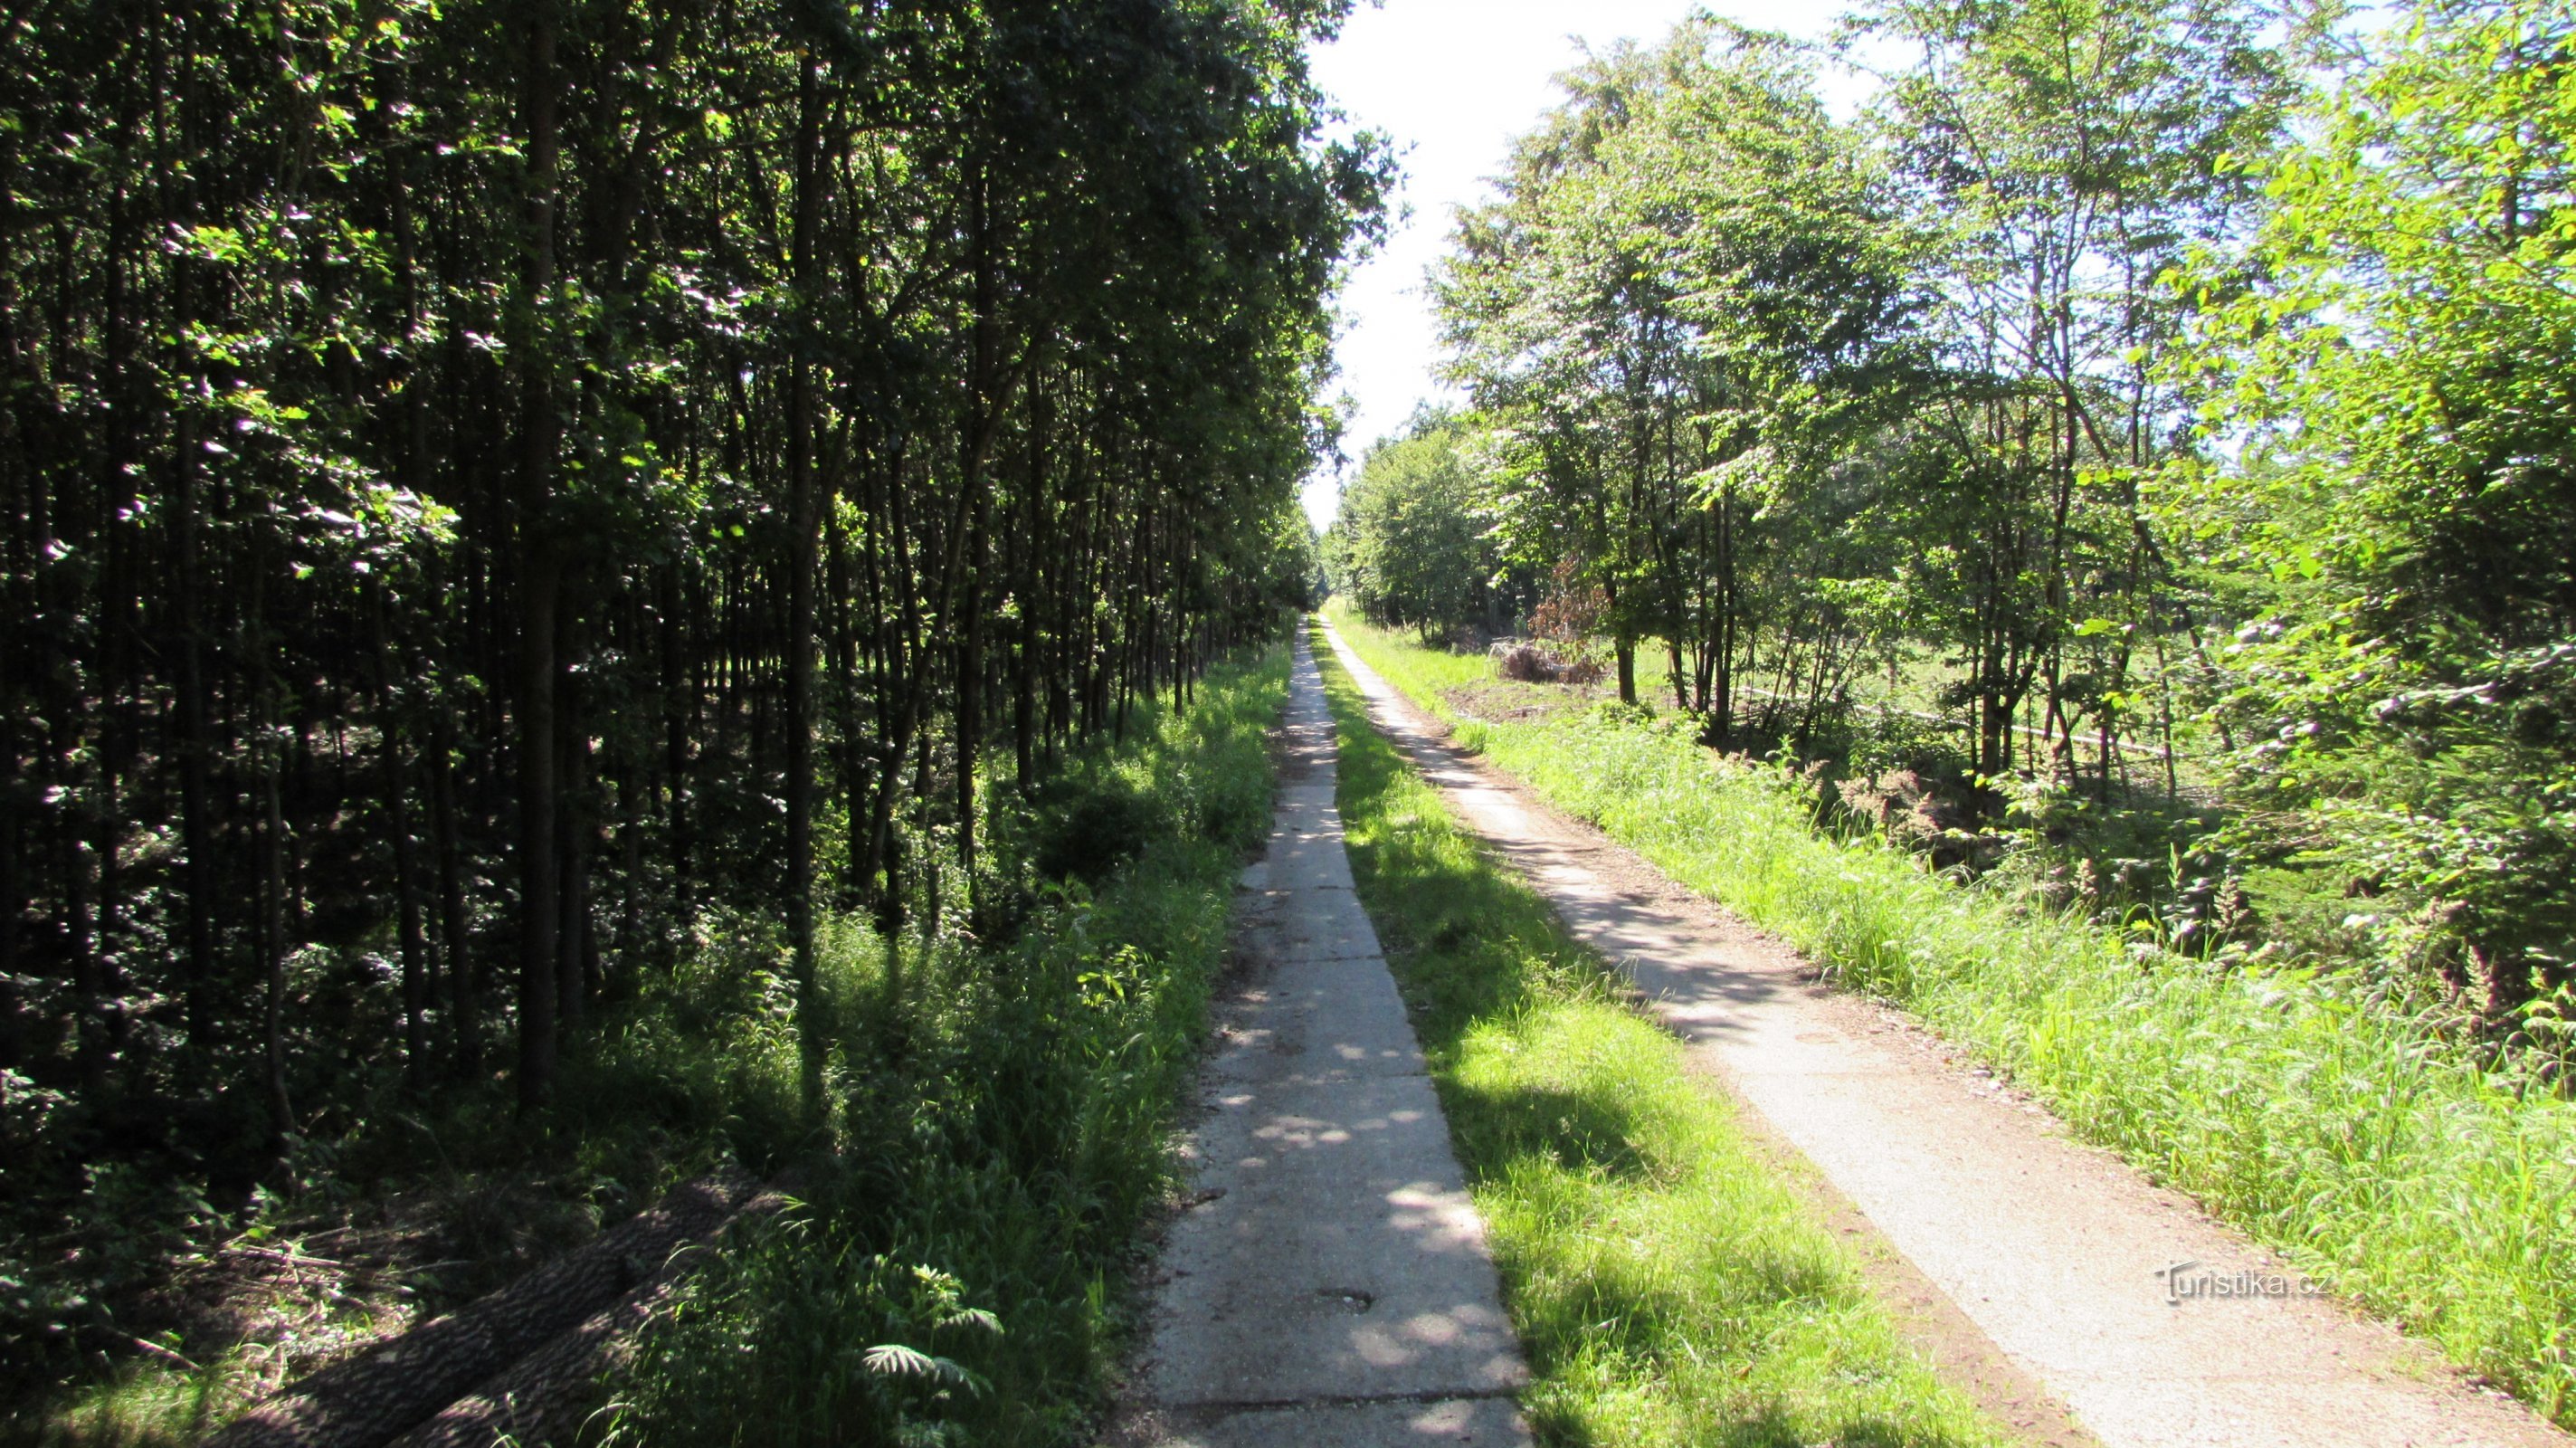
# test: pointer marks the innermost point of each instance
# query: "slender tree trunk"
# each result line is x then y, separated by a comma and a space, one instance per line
573, 816
464, 1004
1021, 568
970, 696
186, 628
800, 577
416, 985
281, 1109
540, 584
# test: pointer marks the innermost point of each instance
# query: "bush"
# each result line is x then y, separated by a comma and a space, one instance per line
1091, 823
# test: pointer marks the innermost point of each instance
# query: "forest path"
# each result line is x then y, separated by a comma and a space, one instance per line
1330, 1282
2053, 1256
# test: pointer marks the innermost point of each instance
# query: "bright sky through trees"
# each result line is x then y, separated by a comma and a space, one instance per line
1454, 81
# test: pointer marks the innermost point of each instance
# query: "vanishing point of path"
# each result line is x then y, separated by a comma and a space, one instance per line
1329, 1283
2048, 1252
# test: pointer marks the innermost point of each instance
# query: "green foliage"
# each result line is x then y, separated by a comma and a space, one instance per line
529, 516
1689, 298
2076, 355
1669, 1286
1087, 829
1412, 546
2392, 351
2068, 154
994, 1124
2309, 1109
955, 1270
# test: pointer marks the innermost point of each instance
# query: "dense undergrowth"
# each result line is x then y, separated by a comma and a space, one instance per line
992, 1125
2399, 1169
1668, 1285
1000, 1118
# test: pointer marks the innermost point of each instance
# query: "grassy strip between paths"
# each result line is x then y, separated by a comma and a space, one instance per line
2381, 1162
1669, 1288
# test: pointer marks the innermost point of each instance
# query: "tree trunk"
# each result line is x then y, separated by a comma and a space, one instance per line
540, 584
464, 1004
415, 978
573, 815
800, 579
281, 1109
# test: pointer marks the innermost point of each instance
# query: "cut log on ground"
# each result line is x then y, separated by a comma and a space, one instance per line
543, 1397
402, 1382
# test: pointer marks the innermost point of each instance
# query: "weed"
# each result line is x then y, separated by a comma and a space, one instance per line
999, 1131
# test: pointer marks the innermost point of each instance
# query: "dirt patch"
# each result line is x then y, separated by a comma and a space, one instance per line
1510, 701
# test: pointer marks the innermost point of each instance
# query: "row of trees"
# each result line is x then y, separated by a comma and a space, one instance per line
1738, 348
2131, 362
480, 482
1411, 545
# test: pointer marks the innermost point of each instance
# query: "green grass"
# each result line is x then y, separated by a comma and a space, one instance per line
1668, 1285
2383, 1163
989, 1140
956, 1273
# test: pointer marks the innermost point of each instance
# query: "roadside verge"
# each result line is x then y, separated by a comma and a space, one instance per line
2060, 1254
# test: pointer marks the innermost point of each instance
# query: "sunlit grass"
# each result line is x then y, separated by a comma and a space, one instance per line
1668, 1286
2382, 1163
152, 1405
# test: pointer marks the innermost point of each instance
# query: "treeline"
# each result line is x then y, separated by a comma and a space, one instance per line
1411, 544
2131, 380
482, 484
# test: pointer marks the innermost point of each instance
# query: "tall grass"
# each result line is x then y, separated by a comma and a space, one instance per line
2380, 1161
1669, 1287
999, 1130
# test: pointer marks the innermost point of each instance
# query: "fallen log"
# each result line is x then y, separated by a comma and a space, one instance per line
403, 1381
543, 1397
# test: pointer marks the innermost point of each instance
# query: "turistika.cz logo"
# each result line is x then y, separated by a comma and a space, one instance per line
2191, 1282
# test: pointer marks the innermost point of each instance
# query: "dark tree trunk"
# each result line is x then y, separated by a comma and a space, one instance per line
540, 584
801, 521
464, 1003
417, 988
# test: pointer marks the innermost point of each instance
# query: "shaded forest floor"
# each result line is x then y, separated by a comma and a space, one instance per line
996, 1088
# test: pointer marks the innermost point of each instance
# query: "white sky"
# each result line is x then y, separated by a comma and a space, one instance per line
1454, 81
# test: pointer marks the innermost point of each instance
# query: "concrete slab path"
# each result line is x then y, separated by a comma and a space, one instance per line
1330, 1285
2058, 1253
